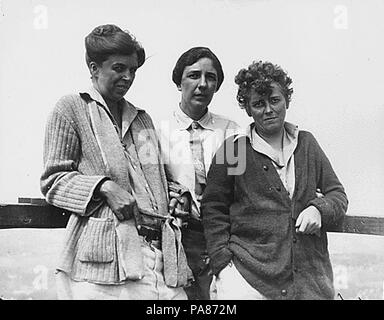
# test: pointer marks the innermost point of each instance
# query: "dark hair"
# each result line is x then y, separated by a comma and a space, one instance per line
190, 57
259, 76
107, 40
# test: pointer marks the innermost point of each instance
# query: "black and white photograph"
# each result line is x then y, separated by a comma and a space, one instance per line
201, 150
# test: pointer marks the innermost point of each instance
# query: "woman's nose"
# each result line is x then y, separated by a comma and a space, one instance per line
268, 107
127, 75
202, 82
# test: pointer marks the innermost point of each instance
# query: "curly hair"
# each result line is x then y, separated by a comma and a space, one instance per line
192, 55
259, 76
109, 39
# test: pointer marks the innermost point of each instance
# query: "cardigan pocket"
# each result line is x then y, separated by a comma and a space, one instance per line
97, 243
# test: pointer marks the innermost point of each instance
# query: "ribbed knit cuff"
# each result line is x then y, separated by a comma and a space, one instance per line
74, 193
96, 193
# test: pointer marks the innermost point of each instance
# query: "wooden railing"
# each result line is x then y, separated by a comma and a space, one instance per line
32, 216
36, 213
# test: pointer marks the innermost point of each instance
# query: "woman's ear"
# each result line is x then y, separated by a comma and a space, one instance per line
179, 87
247, 111
286, 102
93, 69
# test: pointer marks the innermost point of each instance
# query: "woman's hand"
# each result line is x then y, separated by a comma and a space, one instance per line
179, 206
121, 202
309, 221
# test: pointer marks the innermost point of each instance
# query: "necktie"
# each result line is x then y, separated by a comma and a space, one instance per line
198, 156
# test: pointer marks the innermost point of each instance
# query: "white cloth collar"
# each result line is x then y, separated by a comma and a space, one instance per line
128, 110
291, 133
184, 121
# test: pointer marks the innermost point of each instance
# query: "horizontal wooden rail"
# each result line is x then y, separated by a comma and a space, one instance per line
39, 214
361, 225
32, 216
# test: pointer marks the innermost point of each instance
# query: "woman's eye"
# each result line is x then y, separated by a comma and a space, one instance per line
258, 104
275, 100
193, 76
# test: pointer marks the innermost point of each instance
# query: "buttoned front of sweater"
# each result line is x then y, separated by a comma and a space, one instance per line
249, 218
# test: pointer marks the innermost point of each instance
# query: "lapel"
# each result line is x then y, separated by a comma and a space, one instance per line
109, 143
128, 114
299, 160
143, 147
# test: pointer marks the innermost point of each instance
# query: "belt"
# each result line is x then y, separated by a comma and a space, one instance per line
149, 233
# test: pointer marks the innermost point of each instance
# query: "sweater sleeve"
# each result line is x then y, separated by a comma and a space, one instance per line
333, 205
215, 207
61, 183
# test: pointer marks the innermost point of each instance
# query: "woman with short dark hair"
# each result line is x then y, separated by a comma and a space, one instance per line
191, 56
266, 227
197, 132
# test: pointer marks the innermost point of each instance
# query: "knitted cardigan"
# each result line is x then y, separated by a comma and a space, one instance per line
73, 168
249, 218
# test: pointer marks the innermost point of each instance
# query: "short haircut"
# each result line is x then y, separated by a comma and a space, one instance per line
259, 76
107, 40
191, 56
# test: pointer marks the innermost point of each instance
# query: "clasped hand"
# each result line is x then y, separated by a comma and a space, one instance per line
121, 202
124, 205
309, 221
180, 207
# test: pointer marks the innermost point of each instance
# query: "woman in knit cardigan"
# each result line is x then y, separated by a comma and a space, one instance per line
264, 219
102, 162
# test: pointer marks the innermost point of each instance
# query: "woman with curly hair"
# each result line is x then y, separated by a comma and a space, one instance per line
266, 226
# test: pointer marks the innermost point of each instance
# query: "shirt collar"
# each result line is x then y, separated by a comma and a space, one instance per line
96, 96
291, 129
290, 139
184, 121
128, 112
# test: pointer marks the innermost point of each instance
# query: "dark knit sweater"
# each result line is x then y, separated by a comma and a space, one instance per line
249, 218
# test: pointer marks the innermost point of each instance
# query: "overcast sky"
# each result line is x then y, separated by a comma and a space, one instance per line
333, 51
